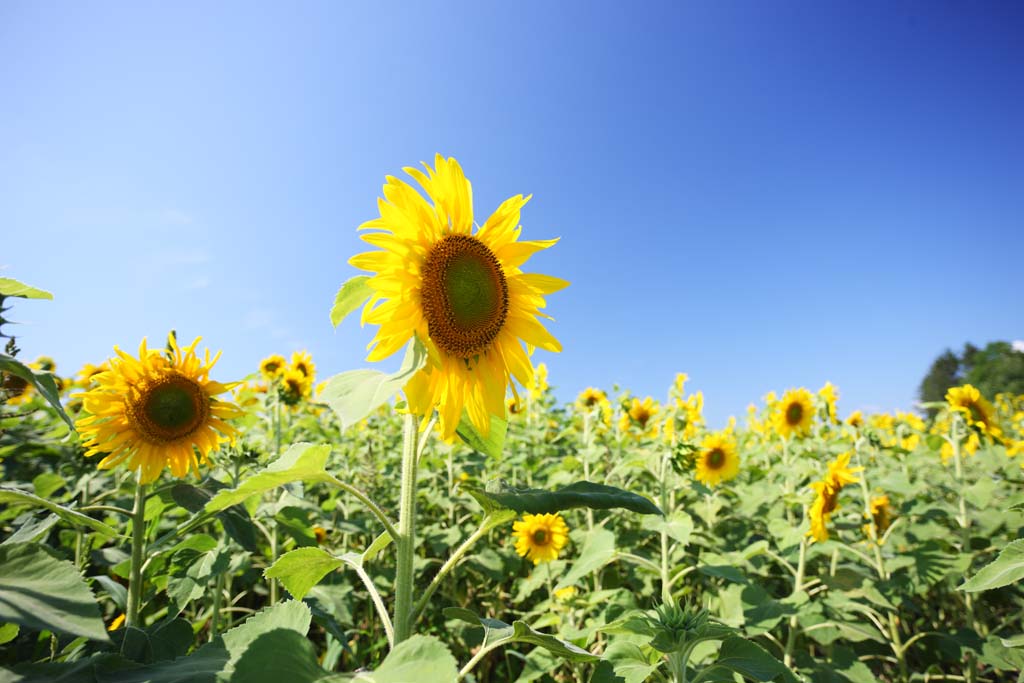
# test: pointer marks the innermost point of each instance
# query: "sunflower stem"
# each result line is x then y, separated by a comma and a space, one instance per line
138, 550
406, 533
798, 585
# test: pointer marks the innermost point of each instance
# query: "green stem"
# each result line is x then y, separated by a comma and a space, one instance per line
970, 673
368, 502
666, 584
406, 533
138, 550
798, 585
218, 588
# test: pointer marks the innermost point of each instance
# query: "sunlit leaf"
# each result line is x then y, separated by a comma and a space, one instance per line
351, 296
1002, 571
301, 462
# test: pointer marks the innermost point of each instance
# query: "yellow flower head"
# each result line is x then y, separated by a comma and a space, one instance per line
826, 502
272, 366
303, 362
540, 382
566, 594
717, 460
462, 294
855, 419
89, 371
794, 413
881, 515
975, 408
829, 394
156, 411
591, 398
44, 363
540, 537
840, 473
294, 386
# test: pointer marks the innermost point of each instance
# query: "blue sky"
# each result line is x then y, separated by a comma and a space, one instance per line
762, 195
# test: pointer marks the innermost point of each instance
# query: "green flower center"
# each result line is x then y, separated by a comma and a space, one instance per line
170, 408
464, 295
540, 537
794, 413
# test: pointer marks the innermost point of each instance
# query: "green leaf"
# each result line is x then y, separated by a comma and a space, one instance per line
497, 632
48, 483
11, 287
492, 444
15, 497
8, 632
351, 296
44, 593
42, 381
627, 664
678, 525
355, 394
237, 523
301, 569
423, 659
582, 494
1002, 571
276, 656
598, 550
749, 659
301, 462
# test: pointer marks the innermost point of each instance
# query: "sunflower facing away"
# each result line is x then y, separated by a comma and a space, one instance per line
717, 460
826, 502
461, 292
794, 413
975, 408
156, 411
540, 537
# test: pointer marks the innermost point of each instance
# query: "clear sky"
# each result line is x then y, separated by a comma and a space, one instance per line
762, 195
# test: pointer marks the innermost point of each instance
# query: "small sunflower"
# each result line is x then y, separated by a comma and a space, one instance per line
461, 293
272, 366
639, 414
303, 362
855, 419
540, 537
294, 386
717, 460
591, 398
156, 411
826, 502
881, 515
540, 382
829, 394
794, 413
975, 408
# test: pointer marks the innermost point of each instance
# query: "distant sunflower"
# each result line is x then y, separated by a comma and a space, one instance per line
717, 460
794, 413
975, 408
303, 362
855, 419
156, 411
272, 366
639, 413
830, 395
826, 502
840, 473
591, 398
460, 292
294, 386
540, 537
881, 514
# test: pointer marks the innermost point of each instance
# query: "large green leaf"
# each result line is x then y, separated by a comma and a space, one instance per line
9, 496
355, 394
301, 462
497, 632
44, 593
351, 296
42, 381
492, 444
597, 551
678, 525
419, 659
11, 287
301, 569
582, 494
1002, 571
749, 659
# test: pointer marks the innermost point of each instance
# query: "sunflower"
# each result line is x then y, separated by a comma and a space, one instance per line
540, 537
89, 371
272, 366
156, 411
829, 394
540, 382
591, 398
855, 419
462, 294
840, 473
826, 502
303, 362
717, 460
975, 408
794, 413
294, 386
881, 515
639, 413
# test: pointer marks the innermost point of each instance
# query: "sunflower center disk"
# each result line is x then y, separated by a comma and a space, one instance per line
465, 295
794, 413
170, 410
540, 537
716, 459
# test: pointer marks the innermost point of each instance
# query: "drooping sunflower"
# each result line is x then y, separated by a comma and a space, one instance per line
826, 502
881, 515
717, 460
975, 408
794, 413
540, 537
155, 411
461, 293
840, 473
272, 366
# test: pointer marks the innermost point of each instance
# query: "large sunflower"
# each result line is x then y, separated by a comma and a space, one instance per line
794, 413
462, 293
717, 460
156, 411
540, 537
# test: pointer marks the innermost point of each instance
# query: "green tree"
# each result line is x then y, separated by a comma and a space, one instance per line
995, 369
944, 373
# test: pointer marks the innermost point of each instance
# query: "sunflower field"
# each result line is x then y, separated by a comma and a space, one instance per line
452, 521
